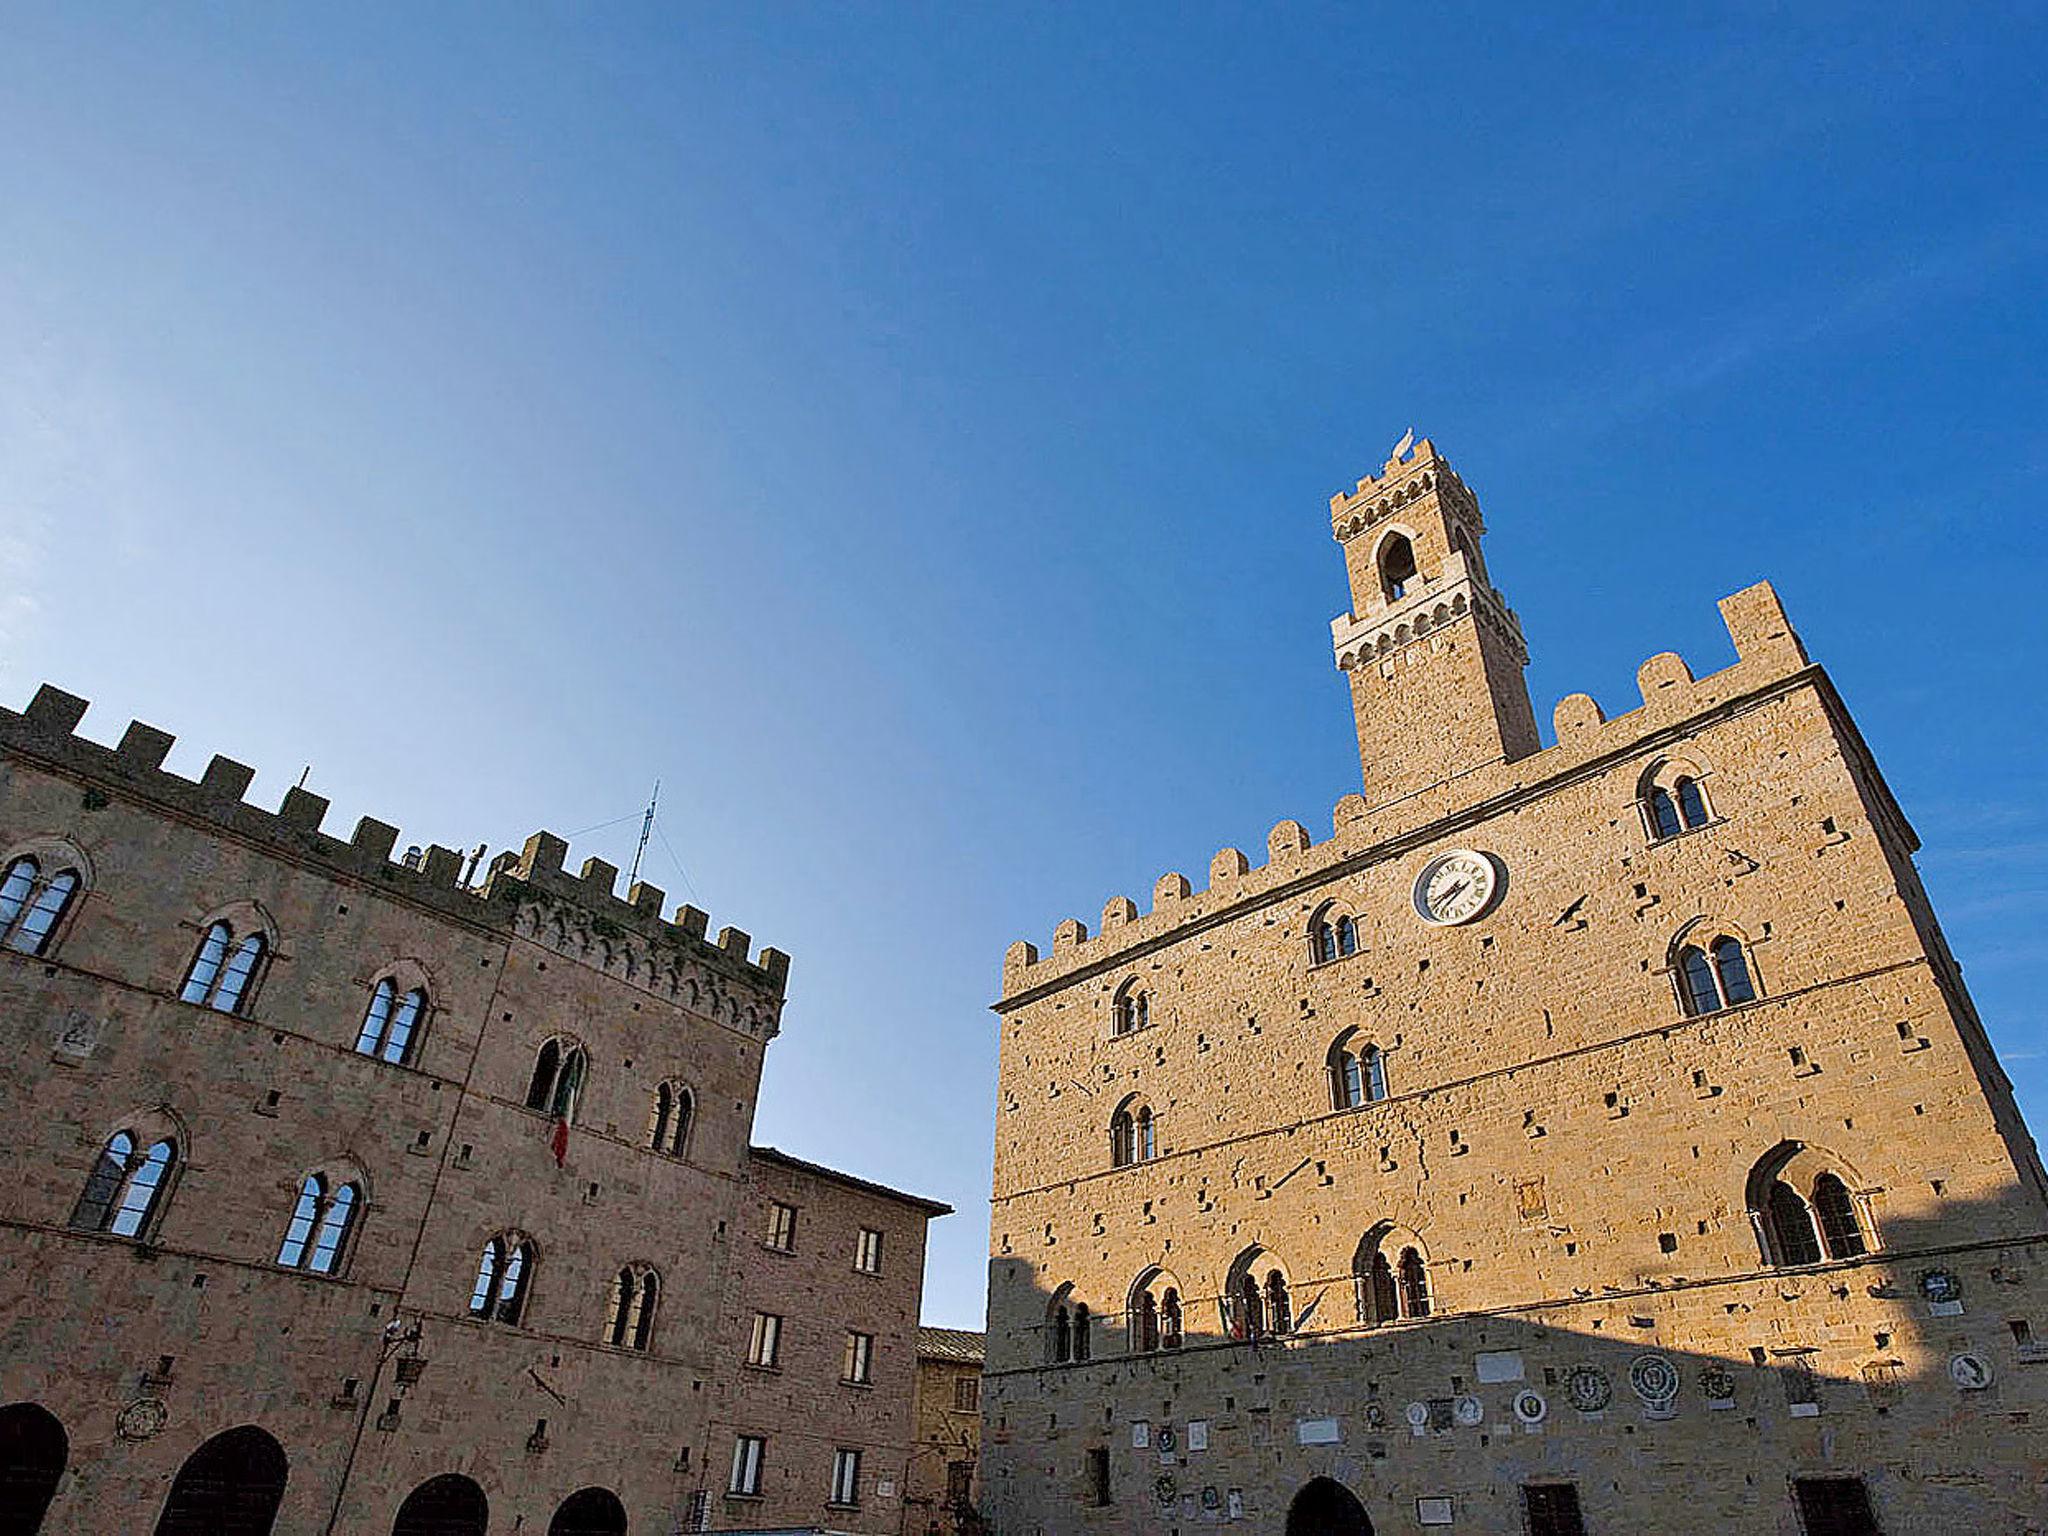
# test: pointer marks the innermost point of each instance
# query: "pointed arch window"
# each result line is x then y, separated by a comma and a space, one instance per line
1841, 1234
1249, 1305
390, 1022
669, 1130
504, 1276
635, 1291
557, 1083
1673, 800
1083, 1343
1062, 1337
1133, 1135
32, 904
1332, 935
1793, 1238
1414, 1279
1169, 1319
1131, 1010
321, 1224
1397, 567
1390, 1274
1279, 1305
1805, 1210
127, 1185
1714, 976
1145, 1337
1386, 1298
1358, 1072
224, 969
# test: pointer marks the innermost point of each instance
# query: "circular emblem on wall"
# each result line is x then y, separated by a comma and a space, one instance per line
1211, 1497
1654, 1378
1586, 1388
1970, 1371
1717, 1384
1165, 1489
1459, 887
1940, 1285
1530, 1407
1417, 1415
1375, 1415
1469, 1411
143, 1418
1164, 1437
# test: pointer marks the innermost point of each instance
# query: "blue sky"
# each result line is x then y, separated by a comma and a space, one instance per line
907, 432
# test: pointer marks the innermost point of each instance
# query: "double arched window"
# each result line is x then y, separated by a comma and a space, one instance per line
1672, 799
1358, 1072
1332, 935
1155, 1312
126, 1189
635, 1291
1133, 1134
1258, 1298
32, 903
317, 1238
1390, 1276
391, 1022
1131, 1009
1714, 975
1067, 1325
557, 1084
1804, 1210
668, 1130
224, 970
504, 1276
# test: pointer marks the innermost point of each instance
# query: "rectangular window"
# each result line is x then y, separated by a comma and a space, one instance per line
1098, 1475
1553, 1509
846, 1477
860, 1359
782, 1227
960, 1485
747, 1452
867, 1253
1834, 1506
765, 1347
967, 1394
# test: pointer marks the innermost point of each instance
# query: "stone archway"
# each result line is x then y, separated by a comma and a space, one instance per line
448, 1505
1325, 1507
589, 1512
33, 1451
230, 1486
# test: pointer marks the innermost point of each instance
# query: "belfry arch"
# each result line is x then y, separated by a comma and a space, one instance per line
1325, 1507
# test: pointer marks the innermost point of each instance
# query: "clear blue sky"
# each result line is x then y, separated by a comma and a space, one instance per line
907, 432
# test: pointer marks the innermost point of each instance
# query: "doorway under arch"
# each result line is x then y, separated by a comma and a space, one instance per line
1325, 1507
448, 1505
33, 1451
230, 1486
589, 1512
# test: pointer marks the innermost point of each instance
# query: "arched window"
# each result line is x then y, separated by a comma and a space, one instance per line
1131, 1010
635, 1290
1672, 798
1397, 567
1169, 1319
1145, 1333
1279, 1308
1664, 820
33, 1452
391, 1021
233, 1483
1248, 1307
126, 1186
504, 1275
1132, 1135
1358, 1072
1062, 1337
1083, 1344
1414, 1284
1840, 1232
223, 970
1692, 805
32, 904
557, 1080
1804, 1209
1715, 976
448, 1505
589, 1512
669, 1131
1147, 1147
1385, 1298
320, 1226
1332, 935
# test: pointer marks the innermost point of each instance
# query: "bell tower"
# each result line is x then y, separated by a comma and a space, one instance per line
1433, 652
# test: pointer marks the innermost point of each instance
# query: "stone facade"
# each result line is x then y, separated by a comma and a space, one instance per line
943, 1489
1646, 1170
527, 1067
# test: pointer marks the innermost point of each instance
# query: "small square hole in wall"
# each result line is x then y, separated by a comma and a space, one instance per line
1756, 1354
1798, 1056
1883, 1339
1940, 1186
342, 910
2022, 1333
1905, 1030
1667, 1242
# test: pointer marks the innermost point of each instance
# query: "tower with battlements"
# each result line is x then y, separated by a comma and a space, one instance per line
1584, 1137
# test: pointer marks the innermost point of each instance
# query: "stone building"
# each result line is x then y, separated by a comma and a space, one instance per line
942, 1490
345, 1194
1593, 1137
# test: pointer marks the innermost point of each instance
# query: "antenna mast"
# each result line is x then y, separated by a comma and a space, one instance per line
646, 830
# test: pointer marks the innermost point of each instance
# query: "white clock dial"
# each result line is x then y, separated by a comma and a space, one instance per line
1458, 886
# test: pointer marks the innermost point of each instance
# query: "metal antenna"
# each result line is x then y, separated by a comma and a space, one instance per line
646, 831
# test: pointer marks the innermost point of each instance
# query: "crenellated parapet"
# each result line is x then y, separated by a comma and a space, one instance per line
1768, 654
628, 935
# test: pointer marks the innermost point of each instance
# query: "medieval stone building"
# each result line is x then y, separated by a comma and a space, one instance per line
345, 1195
1586, 1138
941, 1493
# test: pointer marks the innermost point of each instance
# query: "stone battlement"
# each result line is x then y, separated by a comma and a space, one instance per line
47, 731
1767, 650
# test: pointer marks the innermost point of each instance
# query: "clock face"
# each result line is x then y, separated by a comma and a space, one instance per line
1458, 886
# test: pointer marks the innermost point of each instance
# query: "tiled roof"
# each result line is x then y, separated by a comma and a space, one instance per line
949, 1344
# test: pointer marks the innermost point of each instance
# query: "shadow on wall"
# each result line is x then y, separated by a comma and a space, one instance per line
1886, 1390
